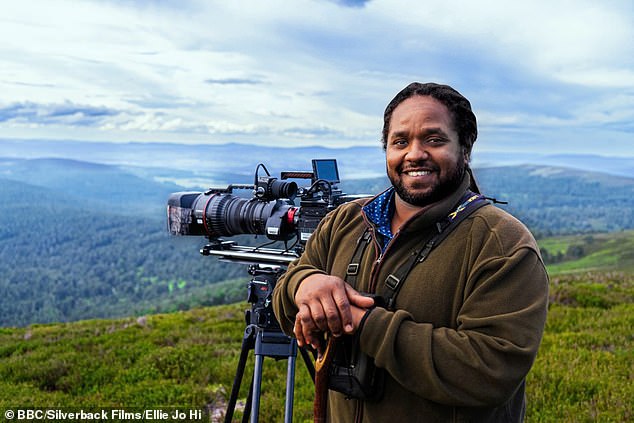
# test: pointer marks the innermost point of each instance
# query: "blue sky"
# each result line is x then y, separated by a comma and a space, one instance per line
545, 76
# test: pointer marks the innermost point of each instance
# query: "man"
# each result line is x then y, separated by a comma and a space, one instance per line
466, 322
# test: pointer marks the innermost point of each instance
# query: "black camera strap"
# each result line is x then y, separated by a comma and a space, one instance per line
355, 262
469, 203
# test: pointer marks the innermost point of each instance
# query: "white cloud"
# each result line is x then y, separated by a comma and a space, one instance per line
280, 71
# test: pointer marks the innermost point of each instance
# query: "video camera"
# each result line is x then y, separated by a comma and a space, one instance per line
271, 211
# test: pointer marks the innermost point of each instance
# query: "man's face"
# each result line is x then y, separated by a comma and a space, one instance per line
424, 159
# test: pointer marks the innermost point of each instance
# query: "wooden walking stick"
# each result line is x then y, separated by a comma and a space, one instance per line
322, 372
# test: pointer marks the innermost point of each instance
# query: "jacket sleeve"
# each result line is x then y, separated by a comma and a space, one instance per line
313, 260
483, 360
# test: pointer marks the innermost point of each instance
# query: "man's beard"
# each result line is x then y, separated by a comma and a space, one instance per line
442, 189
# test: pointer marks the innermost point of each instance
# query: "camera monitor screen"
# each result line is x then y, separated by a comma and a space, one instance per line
326, 169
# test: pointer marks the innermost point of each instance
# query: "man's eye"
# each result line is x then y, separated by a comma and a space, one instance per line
400, 141
436, 140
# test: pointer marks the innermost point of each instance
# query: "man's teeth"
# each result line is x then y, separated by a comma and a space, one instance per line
418, 173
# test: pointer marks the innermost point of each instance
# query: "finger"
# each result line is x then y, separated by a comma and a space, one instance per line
358, 299
297, 331
310, 337
305, 315
307, 327
343, 319
317, 321
305, 337
357, 315
333, 313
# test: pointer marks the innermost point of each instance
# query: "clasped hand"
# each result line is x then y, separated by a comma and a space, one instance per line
327, 304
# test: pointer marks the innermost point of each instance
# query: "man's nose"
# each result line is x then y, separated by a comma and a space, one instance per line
417, 151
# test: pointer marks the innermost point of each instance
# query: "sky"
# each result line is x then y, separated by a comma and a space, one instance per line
543, 76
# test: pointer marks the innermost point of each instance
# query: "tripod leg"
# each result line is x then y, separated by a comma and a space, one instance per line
277, 345
290, 389
257, 384
247, 344
248, 405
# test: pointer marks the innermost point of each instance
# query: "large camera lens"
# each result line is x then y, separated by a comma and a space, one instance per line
223, 214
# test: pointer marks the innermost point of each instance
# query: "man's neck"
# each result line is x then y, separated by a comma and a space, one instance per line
403, 211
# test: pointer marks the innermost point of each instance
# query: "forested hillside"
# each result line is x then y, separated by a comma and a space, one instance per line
81, 240
557, 201
62, 262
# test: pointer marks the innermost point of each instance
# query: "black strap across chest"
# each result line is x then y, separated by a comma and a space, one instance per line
469, 203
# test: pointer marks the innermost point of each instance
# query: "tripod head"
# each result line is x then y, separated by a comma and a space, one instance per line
260, 290
266, 265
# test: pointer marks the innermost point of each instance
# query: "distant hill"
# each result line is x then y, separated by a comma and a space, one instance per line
611, 165
209, 162
94, 186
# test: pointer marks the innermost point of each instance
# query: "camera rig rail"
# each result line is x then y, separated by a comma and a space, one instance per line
230, 251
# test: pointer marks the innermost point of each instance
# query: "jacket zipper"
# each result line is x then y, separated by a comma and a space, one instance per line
378, 261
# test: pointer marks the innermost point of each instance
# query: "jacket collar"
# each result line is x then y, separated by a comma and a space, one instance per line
434, 212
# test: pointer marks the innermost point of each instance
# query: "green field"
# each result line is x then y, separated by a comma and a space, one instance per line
583, 372
597, 252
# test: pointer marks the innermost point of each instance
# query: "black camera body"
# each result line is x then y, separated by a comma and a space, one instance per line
271, 211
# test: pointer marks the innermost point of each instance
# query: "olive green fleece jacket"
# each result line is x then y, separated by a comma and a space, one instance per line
467, 323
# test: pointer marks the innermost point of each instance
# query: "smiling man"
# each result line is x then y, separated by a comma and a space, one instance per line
460, 290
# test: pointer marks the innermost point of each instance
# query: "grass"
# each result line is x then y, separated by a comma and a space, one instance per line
186, 360
583, 372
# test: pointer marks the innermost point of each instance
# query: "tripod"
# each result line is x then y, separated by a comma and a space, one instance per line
264, 336
266, 344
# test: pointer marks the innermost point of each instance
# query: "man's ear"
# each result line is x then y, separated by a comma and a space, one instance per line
466, 155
